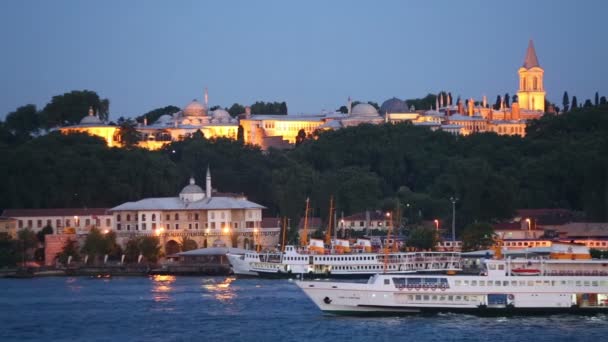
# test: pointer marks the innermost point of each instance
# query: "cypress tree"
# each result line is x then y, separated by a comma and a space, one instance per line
497, 104
507, 99
574, 103
566, 102
603, 100
597, 99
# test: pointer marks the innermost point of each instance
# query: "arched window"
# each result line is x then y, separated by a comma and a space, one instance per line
153, 217
535, 83
524, 87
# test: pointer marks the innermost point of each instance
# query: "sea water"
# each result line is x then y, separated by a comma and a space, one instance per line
168, 308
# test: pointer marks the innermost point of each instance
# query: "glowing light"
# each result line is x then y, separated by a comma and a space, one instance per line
226, 230
159, 231
436, 224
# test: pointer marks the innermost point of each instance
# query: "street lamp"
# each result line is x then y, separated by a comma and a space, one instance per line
529, 224
454, 200
255, 232
436, 224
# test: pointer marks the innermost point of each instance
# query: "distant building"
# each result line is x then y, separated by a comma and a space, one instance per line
8, 226
206, 217
92, 125
365, 220
62, 220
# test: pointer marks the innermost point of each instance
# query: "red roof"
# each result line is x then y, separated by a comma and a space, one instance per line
548, 216
54, 212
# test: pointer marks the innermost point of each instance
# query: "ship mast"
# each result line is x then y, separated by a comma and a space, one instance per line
304, 238
329, 225
388, 237
284, 225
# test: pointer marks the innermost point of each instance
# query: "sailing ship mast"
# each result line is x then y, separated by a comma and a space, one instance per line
388, 237
329, 225
304, 237
284, 225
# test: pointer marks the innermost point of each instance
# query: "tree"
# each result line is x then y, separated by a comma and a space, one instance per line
602, 100
477, 236
27, 242
597, 99
574, 103
373, 104
154, 114
587, 104
71, 107
240, 134
515, 98
236, 109
422, 238
283, 108
566, 102
23, 121
497, 104
70, 248
129, 137
216, 107
343, 110
47, 230
187, 244
300, 137
149, 247
8, 251
507, 99
96, 245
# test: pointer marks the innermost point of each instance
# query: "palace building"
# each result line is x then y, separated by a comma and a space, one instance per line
281, 131
204, 216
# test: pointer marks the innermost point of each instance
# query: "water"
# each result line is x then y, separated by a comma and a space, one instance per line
165, 308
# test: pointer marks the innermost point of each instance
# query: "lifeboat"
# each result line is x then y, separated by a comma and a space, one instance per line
525, 271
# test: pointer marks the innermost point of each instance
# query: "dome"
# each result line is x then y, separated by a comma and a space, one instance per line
393, 105
164, 118
91, 119
221, 114
364, 109
194, 108
192, 188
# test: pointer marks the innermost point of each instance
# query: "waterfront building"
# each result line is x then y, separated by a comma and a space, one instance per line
8, 226
62, 220
208, 218
364, 221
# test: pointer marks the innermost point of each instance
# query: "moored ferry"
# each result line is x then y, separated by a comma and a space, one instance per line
314, 262
497, 291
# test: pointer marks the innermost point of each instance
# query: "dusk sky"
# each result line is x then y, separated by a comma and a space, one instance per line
311, 54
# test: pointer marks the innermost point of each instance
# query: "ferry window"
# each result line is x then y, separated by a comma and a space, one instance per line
387, 282
501, 267
473, 282
425, 297
457, 298
539, 283
505, 283
492, 266
604, 283
594, 283
442, 298
466, 283
434, 297
465, 298
530, 283
522, 283
418, 297
586, 283
482, 283
563, 282
514, 283
546, 283
497, 283
457, 282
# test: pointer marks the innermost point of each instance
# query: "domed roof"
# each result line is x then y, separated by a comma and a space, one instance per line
192, 188
364, 109
221, 114
91, 119
166, 118
194, 108
393, 105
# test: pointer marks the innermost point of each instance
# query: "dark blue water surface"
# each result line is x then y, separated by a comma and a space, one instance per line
165, 308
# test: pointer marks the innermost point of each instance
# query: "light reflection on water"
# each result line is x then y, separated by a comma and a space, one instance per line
220, 290
161, 289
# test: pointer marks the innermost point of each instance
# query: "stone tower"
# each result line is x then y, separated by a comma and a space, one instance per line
531, 94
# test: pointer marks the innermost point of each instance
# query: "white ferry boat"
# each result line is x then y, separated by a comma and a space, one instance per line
498, 291
346, 262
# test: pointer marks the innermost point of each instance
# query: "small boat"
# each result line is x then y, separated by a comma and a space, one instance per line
525, 272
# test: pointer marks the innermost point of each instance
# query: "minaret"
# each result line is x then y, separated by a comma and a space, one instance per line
437, 102
440, 100
485, 101
208, 183
531, 94
206, 98
349, 105
91, 111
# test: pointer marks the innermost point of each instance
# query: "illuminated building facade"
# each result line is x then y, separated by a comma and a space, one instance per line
92, 125
208, 218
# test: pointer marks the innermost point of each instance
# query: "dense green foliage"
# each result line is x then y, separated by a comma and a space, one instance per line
477, 236
560, 163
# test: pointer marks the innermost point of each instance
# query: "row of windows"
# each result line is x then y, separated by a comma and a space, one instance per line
153, 226
531, 283
189, 216
377, 223
442, 298
60, 222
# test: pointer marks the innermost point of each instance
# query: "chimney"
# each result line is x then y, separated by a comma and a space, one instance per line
247, 112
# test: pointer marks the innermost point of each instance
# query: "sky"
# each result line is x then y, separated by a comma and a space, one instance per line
312, 54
